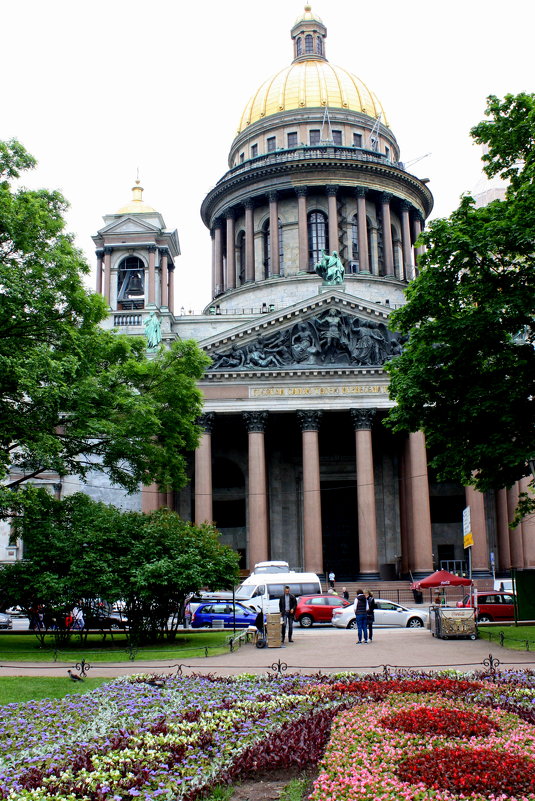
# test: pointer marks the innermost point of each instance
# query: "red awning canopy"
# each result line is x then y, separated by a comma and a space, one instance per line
441, 579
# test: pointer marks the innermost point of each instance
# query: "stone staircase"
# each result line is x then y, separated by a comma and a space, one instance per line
400, 592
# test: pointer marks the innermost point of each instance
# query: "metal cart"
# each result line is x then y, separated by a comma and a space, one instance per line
450, 622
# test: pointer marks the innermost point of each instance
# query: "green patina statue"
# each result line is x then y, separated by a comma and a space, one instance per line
153, 331
330, 268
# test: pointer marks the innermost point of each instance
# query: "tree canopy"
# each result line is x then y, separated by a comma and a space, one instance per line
78, 550
73, 397
466, 377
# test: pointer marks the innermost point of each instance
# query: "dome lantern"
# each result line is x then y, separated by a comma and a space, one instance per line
137, 204
309, 34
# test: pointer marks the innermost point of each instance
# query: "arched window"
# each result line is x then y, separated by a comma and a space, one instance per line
354, 244
309, 43
131, 283
299, 46
319, 45
317, 237
241, 257
266, 243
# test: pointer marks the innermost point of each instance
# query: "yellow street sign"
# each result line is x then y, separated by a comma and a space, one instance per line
468, 540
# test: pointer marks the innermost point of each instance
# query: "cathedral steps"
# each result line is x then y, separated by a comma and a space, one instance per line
400, 592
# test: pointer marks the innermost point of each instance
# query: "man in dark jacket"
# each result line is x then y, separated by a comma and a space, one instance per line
361, 616
287, 606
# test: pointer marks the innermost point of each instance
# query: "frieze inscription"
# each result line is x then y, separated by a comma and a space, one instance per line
331, 338
288, 392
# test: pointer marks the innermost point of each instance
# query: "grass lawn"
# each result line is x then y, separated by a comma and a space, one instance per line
515, 637
14, 689
27, 648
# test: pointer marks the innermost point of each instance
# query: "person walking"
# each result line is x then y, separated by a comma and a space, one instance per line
370, 617
345, 594
361, 616
331, 580
287, 605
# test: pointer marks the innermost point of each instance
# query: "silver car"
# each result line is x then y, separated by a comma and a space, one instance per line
386, 613
5, 621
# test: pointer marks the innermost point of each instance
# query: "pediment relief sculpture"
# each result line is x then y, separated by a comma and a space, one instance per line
331, 338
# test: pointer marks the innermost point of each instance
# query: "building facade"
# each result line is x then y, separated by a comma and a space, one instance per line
295, 462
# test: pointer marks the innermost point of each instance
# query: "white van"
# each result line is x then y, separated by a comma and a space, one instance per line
503, 585
263, 592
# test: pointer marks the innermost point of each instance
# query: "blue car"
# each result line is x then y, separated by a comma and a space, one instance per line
211, 613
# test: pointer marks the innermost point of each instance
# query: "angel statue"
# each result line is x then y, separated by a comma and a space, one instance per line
153, 331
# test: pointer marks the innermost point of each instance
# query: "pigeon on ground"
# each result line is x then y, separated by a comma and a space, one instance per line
74, 676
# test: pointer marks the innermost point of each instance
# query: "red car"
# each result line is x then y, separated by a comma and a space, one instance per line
317, 609
492, 606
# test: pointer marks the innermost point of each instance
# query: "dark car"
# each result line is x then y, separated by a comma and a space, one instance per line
222, 614
100, 620
317, 608
491, 606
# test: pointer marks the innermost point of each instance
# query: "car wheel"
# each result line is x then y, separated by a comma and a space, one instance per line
414, 623
484, 619
352, 624
306, 621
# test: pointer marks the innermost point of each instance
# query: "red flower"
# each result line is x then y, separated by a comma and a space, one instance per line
470, 771
434, 720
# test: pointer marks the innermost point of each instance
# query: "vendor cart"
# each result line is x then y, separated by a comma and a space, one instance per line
450, 623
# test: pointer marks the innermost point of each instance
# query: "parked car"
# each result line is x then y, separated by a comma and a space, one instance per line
491, 606
387, 613
5, 621
317, 608
100, 620
209, 612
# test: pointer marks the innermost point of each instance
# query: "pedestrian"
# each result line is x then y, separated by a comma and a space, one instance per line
78, 621
187, 615
370, 617
345, 594
331, 579
287, 605
361, 616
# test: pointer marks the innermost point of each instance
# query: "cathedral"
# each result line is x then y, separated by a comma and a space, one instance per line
314, 227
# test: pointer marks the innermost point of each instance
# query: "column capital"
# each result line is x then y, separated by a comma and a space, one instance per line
151, 248
405, 205
108, 250
230, 214
273, 196
163, 251
418, 217
248, 204
206, 421
361, 191
255, 421
218, 222
171, 266
309, 420
362, 418
99, 252
301, 191
331, 190
386, 197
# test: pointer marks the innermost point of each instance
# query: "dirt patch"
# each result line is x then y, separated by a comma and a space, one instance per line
268, 785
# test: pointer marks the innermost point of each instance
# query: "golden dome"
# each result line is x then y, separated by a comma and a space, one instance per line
136, 205
311, 84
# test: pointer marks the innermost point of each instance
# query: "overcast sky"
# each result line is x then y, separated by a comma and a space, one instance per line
97, 89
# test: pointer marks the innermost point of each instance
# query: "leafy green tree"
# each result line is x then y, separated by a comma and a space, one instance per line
73, 397
77, 551
466, 377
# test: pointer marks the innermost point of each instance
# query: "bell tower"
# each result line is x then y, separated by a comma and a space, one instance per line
135, 265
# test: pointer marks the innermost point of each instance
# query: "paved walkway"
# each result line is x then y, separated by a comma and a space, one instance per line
327, 650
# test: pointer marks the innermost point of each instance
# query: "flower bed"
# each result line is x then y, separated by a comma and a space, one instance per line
429, 746
390, 738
